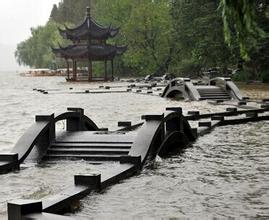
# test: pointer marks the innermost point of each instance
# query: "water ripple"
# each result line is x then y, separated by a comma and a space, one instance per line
210, 180
223, 175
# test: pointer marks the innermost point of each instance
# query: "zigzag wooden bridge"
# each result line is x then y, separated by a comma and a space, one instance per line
219, 88
217, 91
131, 147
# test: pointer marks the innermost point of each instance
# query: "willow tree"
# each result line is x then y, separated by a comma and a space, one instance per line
36, 50
240, 16
249, 21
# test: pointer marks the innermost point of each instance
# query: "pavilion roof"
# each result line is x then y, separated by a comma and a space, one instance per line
93, 52
89, 28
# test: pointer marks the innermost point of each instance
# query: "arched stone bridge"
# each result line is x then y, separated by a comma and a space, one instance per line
219, 88
132, 147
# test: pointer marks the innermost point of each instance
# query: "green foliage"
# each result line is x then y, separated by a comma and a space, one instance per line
146, 28
149, 35
257, 62
187, 68
240, 16
243, 76
265, 76
54, 13
69, 11
115, 13
176, 36
36, 51
198, 35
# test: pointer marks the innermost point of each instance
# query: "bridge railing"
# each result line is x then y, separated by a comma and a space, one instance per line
183, 86
227, 84
156, 132
76, 120
191, 90
37, 139
40, 134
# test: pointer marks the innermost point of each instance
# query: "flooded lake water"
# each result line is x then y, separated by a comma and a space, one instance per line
225, 174
255, 91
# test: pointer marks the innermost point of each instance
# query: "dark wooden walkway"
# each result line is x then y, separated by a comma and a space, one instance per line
131, 147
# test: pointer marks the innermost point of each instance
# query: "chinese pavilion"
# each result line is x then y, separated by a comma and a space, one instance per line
89, 44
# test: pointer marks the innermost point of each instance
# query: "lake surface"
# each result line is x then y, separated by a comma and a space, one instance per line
224, 174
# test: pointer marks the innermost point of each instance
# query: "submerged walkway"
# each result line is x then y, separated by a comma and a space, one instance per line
218, 91
132, 146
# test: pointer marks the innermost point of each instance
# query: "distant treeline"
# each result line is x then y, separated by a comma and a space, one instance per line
183, 37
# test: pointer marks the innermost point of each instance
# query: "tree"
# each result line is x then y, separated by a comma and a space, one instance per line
199, 36
258, 54
70, 11
240, 16
36, 51
54, 12
149, 35
178, 36
249, 22
146, 29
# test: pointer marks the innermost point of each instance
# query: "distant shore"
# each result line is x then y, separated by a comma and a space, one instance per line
43, 72
253, 90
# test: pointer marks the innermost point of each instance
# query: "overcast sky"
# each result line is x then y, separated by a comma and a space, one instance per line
16, 19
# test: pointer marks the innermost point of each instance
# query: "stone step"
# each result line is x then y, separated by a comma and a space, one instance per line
95, 137
92, 151
213, 92
98, 157
216, 97
92, 145
211, 89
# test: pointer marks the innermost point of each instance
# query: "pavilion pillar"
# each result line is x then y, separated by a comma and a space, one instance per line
90, 70
112, 70
74, 70
68, 71
105, 71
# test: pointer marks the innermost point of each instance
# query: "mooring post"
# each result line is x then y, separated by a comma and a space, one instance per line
75, 123
196, 113
265, 105
217, 117
124, 124
9, 157
252, 114
242, 103
205, 124
174, 109
93, 181
231, 109
12, 159
19, 208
